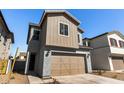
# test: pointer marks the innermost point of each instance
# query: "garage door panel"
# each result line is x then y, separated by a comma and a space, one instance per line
55, 73
118, 63
65, 72
74, 71
67, 65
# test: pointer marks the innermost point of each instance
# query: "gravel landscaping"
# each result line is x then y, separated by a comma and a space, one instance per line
16, 78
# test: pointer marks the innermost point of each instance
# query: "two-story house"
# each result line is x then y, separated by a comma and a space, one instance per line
6, 38
55, 46
108, 51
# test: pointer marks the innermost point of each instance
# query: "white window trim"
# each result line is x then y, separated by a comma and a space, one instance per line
59, 29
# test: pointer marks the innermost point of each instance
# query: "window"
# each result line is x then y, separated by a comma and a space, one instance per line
78, 38
9, 45
88, 43
5, 40
121, 43
36, 35
63, 29
0, 36
84, 43
0, 33
113, 42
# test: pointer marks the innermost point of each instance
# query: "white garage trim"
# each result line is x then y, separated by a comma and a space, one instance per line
110, 63
27, 63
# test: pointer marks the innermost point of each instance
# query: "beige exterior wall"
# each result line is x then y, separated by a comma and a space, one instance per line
4, 49
49, 36
43, 34
54, 38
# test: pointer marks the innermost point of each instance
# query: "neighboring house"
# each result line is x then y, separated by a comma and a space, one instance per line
55, 46
21, 56
20, 62
108, 51
6, 38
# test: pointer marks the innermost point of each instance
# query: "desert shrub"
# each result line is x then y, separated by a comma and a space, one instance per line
3, 66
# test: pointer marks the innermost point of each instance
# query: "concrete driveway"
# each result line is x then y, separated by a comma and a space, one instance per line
87, 79
76, 79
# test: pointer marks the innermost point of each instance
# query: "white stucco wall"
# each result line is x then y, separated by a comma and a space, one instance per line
116, 50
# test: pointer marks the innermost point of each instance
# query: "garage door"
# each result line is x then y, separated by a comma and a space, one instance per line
118, 63
67, 64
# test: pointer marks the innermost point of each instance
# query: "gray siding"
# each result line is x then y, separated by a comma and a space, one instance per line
100, 53
101, 41
100, 58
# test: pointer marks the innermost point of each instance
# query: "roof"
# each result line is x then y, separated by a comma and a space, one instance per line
11, 33
81, 30
31, 25
58, 11
86, 38
109, 33
48, 12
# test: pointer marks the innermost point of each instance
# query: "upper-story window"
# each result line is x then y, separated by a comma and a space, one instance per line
36, 35
86, 43
113, 42
9, 45
0, 33
121, 43
64, 29
78, 38
5, 40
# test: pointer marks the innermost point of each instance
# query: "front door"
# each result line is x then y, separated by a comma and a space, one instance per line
32, 62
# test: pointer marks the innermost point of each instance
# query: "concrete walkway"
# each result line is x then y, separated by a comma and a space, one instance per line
34, 80
37, 80
76, 79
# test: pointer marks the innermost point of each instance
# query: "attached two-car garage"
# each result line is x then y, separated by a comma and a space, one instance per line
118, 63
67, 64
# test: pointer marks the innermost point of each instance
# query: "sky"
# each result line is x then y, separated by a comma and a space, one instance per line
94, 22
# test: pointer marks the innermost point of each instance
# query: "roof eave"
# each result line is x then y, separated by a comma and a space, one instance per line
12, 37
81, 30
11, 33
57, 11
